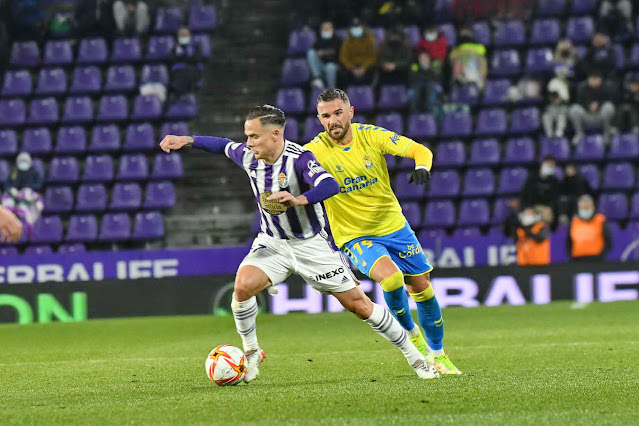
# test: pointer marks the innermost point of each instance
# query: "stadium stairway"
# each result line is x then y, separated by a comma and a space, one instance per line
215, 203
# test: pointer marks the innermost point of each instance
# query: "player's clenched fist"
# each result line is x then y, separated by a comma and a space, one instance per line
10, 226
172, 142
288, 199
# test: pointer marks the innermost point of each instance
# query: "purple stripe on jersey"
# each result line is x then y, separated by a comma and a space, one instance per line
291, 214
264, 221
268, 181
310, 208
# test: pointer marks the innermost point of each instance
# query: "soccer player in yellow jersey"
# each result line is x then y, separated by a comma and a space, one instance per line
367, 221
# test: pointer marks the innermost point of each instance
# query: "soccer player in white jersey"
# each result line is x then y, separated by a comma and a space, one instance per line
289, 186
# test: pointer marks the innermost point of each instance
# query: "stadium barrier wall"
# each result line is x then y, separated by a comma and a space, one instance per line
172, 295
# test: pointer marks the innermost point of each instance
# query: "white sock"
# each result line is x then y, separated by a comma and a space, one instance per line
245, 314
415, 331
438, 352
385, 324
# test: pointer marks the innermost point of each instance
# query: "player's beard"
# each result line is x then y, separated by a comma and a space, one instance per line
342, 132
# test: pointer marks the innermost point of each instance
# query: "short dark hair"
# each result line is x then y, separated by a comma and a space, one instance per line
268, 114
332, 94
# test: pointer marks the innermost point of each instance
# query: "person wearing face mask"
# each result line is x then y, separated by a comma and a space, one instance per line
394, 57
24, 175
131, 17
425, 89
542, 188
595, 106
533, 239
565, 55
21, 196
323, 57
590, 238
600, 57
186, 71
434, 43
358, 54
468, 60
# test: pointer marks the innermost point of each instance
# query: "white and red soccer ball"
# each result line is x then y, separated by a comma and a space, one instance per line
226, 365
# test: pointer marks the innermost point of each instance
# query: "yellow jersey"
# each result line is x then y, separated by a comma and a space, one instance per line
366, 204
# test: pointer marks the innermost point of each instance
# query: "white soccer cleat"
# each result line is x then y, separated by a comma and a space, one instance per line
424, 369
254, 358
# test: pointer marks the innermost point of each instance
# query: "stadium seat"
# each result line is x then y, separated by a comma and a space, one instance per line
311, 102
412, 212
292, 129
71, 140
473, 212
25, 54
133, 167
312, 127
120, 78
300, 41
38, 250
545, 31
146, 107
444, 184
588, 149
8, 143
139, 137
620, 56
71, 248
557, 148
479, 183
458, 123
167, 166
47, 229
591, 173
519, 151
539, 60
580, 29
451, 153
8, 251
82, 228
551, 7
505, 62
154, 73
98, 168
38, 165
159, 195
160, 47
405, 190
148, 226
524, 120
63, 170
481, 32
429, 234
509, 33
439, 213
501, 210
449, 32
126, 50
618, 176
484, 152
295, 72
613, 205
183, 108
36, 141
91, 197
496, 92
465, 94
86, 80
125, 197
92, 51
5, 170
115, 227
291, 100
624, 146
512, 180
43, 111
58, 199
105, 138
112, 108
17, 83
412, 33
78, 109
202, 17
491, 122
421, 126
57, 52
178, 128
362, 98
392, 97
583, 7
633, 57
467, 232
391, 121
634, 206
169, 19
204, 43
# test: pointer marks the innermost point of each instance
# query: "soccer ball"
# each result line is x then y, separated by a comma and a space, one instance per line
226, 365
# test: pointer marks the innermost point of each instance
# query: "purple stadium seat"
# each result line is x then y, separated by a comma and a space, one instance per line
17, 83
539, 60
139, 137
405, 190
403, 163
133, 167
589, 148
112, 108
378, 33
82, 228
491, 122
362, 98
421, 126
12, 112
624, 146
510, 33
25, 54
38, 250
8, 251
583, 7
58, 199
580, 30
78, 109
466, 94
444, 184
519, 151
202, 17
160, 47
292, 129
524, 120
148, 226
51, 81
98, 168
43, 111
591, 173
291, 100
614, 205
311, 103
439, 214
146, 107
71, 248
620, 55
105, 138
36, 141
618, 176
554, 147
449, 32
312, 127
126, 196
5, 170
8, 143
178, 128
154, 73
204, 42
551, 7
473, 212
120, 78
501, 210
633, 58
57, 52
391, 121
300, 41
183, 108
359, 118
86, 80
159, 195
91, 197
512, 180
496, 91
430, 234
412, 212
71, 140
169, 19
92, 51
392, 97
295, 72
38, 165
115, 227
412, 34
467, 232
505, 62
484, 152
479, 182
126, 50
458, 123
634, 206
63, 170
481, 32
167, 166
451, 153
545, 31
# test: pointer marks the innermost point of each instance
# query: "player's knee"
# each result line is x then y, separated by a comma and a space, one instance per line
393, 282
246, 287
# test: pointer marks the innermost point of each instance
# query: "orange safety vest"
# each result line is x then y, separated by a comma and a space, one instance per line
529, 251
587, 236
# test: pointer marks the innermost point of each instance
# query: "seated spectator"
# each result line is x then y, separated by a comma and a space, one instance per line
131, 17
542, 189
533, 239
358, 54
627, 116
600, 57
424, 85
573, 186
468, 60
594, 106
21, 196
527, 89
28, 19
24, 175
566, 55
394, 57
615, 17
10, 226
95, 17
590, 238
556, 114
323, 57
186, 71
435, 44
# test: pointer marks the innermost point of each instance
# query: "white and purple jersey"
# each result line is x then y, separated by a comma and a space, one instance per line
296, 171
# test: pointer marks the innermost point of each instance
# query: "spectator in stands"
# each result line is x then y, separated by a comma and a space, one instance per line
594, 106
131, 16
186, 71
424, 85
95, 17
323, 57
533, 239
627, 116
615, 17
358, 54
590, 238
394, 57
527, 89
10, 226
468, 60
21, 196
28, 19
600, 57
435, 44
542, 189
556, 114
573, 186
566, 55
24, 175
511, 221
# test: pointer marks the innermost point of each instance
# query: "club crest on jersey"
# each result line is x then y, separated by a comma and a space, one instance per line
367, 160
339, 169
283, 180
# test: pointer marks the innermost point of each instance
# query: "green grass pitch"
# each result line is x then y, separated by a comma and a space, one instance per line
522, 365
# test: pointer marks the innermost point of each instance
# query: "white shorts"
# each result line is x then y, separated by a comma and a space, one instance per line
313, 259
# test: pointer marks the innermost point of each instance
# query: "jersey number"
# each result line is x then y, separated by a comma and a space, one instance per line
358, 247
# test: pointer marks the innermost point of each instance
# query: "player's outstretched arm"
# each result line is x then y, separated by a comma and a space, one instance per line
210, 144
173, 143
10, 226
